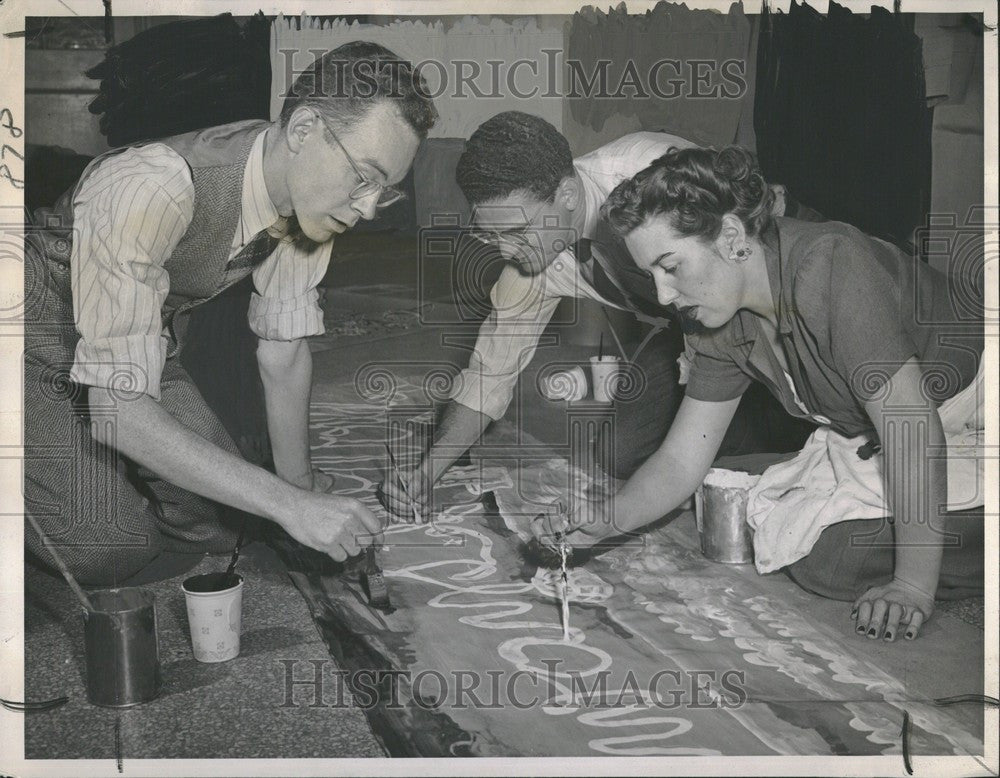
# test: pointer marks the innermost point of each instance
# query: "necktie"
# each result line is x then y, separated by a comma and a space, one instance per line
260, 247
634, 290
602, 282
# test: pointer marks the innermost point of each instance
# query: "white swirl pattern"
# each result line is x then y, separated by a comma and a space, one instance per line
708, 611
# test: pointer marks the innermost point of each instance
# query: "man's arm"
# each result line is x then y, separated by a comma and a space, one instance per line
286, 371
148, 434
284, 311
522, 307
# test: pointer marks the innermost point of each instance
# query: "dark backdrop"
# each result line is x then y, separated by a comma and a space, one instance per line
841, 116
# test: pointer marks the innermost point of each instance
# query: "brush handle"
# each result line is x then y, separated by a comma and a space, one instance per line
406, 486
236, 551
564, 596
618, 343
80, 594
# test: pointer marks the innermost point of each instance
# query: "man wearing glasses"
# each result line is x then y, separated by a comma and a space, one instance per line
123, 458
540, 208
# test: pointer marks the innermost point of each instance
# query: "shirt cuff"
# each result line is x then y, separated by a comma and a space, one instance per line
273, 318
131, 363
470, 391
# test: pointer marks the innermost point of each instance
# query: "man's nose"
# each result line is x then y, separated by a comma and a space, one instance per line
366, 206
507, 250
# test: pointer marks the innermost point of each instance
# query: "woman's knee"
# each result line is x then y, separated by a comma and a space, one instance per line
847, 559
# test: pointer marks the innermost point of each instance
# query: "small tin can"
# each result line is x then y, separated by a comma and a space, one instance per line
721, 516
120, 647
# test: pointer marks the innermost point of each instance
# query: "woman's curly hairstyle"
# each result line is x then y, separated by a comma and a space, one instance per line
694, 188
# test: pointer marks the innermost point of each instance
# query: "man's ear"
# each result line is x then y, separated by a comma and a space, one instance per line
301, 123
568, 193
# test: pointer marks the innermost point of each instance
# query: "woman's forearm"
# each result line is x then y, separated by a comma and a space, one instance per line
916, 485
286, 372
677, 468
662, 483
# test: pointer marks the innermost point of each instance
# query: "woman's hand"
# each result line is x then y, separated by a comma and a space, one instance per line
587, 523
884, 610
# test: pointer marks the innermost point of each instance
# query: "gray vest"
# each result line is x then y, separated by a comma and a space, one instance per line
217, 158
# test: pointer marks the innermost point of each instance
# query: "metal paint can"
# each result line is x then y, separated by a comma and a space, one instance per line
120, 647
721, 516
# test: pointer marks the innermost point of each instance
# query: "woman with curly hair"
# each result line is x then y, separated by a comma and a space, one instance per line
845, 330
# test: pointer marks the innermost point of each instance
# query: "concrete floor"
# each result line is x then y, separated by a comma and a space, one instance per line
235, 709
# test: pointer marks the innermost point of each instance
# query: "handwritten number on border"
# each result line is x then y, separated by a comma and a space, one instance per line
7, 123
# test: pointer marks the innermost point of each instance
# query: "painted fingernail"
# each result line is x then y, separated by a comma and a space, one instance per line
871, 632
909, 636
861, 629
888, 636
854, 613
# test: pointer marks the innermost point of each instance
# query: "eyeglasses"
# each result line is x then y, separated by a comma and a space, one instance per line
387, 195
513, 236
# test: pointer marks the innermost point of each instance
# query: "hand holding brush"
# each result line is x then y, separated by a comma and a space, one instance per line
586, 524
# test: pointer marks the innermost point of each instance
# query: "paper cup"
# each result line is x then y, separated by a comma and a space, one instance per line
215, 616
604, 371
569, 385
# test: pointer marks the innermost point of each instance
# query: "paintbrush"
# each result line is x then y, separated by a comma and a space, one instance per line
373, 582
600, 349
618, 343
228, 575
564, 586
406, 489
80, 594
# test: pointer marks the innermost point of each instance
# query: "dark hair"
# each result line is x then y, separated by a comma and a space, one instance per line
513, 151
345, 83
694, 188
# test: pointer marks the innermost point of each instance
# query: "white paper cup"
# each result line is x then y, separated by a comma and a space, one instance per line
569, 385
604, 371
215, 617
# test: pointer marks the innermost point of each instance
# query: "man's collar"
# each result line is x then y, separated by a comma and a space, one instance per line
258, 212
590, 203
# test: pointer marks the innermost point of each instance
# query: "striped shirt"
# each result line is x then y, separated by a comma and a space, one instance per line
523, 305
129, 215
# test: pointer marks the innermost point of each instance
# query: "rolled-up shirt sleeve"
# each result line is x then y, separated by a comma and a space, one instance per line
285, 305
129, 215
713, 376
522, 307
